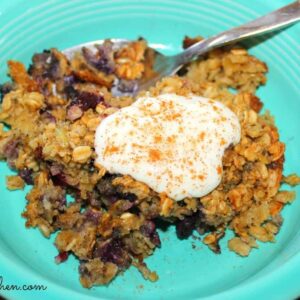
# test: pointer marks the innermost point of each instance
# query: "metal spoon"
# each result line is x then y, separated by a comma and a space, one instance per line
168, 65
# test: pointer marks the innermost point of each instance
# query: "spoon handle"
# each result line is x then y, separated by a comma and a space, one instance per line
272, 21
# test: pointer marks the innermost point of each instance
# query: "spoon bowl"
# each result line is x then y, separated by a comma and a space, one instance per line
162, 65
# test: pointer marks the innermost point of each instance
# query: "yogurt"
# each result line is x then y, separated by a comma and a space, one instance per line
174, 144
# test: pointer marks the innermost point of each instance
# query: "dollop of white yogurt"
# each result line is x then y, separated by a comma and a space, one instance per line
172, 143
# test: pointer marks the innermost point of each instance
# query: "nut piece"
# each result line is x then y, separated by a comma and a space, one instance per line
14, 183
97, 272
209, 239
239, 247
33, 101
166, 205
74, 113
7, 103
82, 153
238, 51
292, 179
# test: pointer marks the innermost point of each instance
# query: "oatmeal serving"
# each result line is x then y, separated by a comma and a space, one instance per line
189, 151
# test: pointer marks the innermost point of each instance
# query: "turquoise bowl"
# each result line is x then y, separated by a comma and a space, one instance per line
272, 271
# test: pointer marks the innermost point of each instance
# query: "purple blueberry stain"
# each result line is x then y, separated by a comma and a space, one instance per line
69, 80
93, 216
11, 150
38, 153
59, 180
101, 58
185, 227
26, 175
45, 65
87, 100
148, 229
83, 99
123, 87
113, 251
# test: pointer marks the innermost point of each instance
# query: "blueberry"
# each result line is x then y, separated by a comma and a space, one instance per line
113, 251
101, 59
185, 228
26, 175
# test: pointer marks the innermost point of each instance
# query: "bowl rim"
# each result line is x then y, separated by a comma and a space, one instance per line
246, 290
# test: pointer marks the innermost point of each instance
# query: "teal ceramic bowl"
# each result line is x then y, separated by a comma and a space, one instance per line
272, 271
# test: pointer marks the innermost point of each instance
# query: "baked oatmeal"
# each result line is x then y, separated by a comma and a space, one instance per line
52, 111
